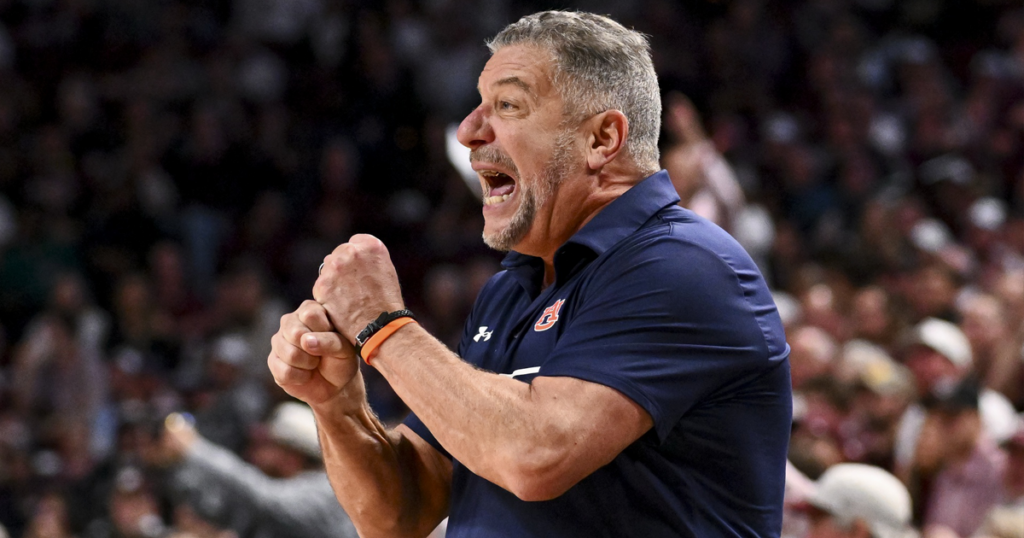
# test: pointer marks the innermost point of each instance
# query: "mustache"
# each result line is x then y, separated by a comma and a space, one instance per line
493, 155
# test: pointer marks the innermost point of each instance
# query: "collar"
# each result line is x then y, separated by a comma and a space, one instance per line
615, 222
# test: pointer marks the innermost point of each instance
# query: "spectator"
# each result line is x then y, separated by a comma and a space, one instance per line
703, 178
939, 357
1004, 520
812, 354
957, 467
167, 169
285, 493
855, 500
231, 402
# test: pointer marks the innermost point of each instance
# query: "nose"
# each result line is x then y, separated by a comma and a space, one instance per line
475, 130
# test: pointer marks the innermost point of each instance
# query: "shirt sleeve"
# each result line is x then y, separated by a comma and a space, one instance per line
414, 423
672, 325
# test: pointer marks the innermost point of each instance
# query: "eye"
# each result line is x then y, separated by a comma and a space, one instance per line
505, 105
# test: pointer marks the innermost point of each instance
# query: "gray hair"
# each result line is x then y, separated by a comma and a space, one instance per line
599, 65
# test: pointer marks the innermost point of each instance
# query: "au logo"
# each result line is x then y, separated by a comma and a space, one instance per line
549, 317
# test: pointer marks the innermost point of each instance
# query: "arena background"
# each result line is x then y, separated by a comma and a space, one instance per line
173, 172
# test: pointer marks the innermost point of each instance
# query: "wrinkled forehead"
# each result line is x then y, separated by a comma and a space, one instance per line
527, 68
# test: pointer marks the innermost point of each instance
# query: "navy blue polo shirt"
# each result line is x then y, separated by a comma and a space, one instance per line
665, 307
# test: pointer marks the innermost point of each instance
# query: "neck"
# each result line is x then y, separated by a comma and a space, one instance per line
571, 207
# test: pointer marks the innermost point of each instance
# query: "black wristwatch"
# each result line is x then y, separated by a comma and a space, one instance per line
376, 325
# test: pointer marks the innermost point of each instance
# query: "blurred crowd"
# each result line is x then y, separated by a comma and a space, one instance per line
173, 172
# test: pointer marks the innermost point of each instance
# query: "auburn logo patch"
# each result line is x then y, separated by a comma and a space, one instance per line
549, 317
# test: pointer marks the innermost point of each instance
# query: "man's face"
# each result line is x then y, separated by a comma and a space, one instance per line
521, 150
821, 524
930, 368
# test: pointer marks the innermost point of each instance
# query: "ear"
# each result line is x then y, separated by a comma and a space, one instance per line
606, 137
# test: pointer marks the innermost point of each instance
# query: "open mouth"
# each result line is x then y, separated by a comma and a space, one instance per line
500, 186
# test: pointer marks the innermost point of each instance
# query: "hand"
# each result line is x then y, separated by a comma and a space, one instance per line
176, 438
357, 283
308, 359
682, 119
932, 445
179, 436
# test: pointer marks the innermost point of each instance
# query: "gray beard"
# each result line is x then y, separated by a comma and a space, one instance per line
532, 198
516, 231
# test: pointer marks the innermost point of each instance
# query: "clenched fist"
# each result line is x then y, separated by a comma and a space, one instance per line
311, 361
357, 283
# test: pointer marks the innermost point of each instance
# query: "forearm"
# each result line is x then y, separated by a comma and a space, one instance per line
388, 483
501, 429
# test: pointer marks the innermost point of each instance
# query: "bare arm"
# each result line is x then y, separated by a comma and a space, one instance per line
535, 440
391, 483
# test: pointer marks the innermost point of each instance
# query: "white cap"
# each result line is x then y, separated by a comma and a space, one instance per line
292, 425
945, 338
852, 491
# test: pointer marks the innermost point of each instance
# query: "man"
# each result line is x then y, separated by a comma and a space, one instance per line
1004, 520
853, 500
626, 374
957, 468
294, 500
939, 356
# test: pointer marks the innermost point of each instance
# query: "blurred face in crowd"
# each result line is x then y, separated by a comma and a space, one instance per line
933, 292
68, 294
521, 149
882, 411
930, 369
275, 460
811, 354
983, 323
50, 518
821, 524
871, 318
134, 513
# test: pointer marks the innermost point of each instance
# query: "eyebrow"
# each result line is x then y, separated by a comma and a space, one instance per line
514, 81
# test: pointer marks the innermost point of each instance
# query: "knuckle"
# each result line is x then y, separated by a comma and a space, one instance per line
292, 356
285, 374
289, 376
309, 313
277, 367
293, 333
